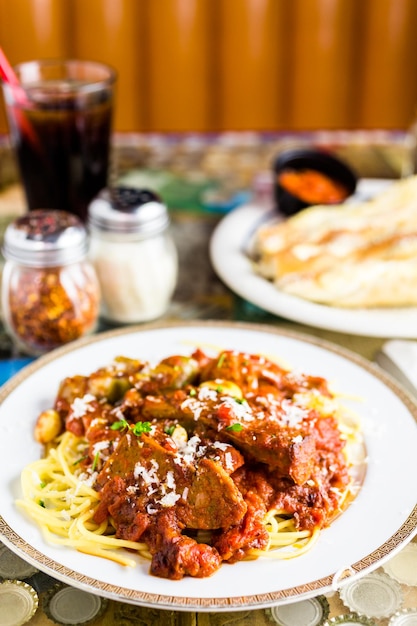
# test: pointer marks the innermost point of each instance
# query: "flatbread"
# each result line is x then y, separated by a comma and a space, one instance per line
350, 255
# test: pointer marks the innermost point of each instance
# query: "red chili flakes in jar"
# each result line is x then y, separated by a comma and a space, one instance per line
50, 292
48, 308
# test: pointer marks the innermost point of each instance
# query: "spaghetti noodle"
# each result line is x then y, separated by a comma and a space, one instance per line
62, 502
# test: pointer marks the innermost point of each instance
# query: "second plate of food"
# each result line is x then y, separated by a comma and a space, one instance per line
231, 259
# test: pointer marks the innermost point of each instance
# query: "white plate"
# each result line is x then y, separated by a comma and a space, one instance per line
228, 255
380, 520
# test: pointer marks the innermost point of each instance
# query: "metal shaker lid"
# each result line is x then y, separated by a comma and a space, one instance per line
45, 238
128, 210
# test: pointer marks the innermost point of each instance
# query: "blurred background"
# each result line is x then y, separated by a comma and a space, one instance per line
216, 65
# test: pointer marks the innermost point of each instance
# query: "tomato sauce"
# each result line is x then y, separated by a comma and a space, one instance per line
312, 186
199, 444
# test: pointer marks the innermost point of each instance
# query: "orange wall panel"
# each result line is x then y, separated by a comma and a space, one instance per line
180, 86
387, 70
30, 29
322, 56
208, 65
252, 64
112, 32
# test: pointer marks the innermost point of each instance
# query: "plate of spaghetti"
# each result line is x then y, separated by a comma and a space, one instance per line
206, 466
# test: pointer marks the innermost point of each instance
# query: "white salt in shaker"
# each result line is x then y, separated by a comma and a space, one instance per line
133, 253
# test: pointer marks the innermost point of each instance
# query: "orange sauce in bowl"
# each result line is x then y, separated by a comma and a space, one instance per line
312, 186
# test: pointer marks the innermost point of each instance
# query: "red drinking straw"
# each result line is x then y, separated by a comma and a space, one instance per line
6, 71
8, 75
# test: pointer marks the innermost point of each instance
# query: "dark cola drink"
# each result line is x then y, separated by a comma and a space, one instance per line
61, 130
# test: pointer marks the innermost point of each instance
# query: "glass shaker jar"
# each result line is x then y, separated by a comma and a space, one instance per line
133, 254
50, 292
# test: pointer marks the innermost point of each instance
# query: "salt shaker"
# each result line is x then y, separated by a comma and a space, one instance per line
133, 254
50, 292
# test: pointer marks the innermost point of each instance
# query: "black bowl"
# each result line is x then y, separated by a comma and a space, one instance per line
288, 203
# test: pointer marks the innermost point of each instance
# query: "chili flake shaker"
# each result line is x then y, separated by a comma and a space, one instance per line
50, 292
133, 254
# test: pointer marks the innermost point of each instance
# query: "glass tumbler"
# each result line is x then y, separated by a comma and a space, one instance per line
60, 120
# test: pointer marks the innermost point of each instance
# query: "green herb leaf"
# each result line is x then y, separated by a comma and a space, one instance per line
221, 359
95, 461
193, 392
169, 429
137, 429
80, 460
42, 504
119, 425
235, 428
141, 427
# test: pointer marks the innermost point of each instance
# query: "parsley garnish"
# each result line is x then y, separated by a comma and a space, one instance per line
96, 457
169, 429
42, 504
193, 392
141, 427
221, 359
120, 425
82, 458
137, 429
235, 428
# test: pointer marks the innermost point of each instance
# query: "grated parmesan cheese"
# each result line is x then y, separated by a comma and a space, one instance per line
205, 393
228, 460
170, 480
219, 445
169, 499
100, 446
292, 414
81, 406
191, 450
241, 411
150, 476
